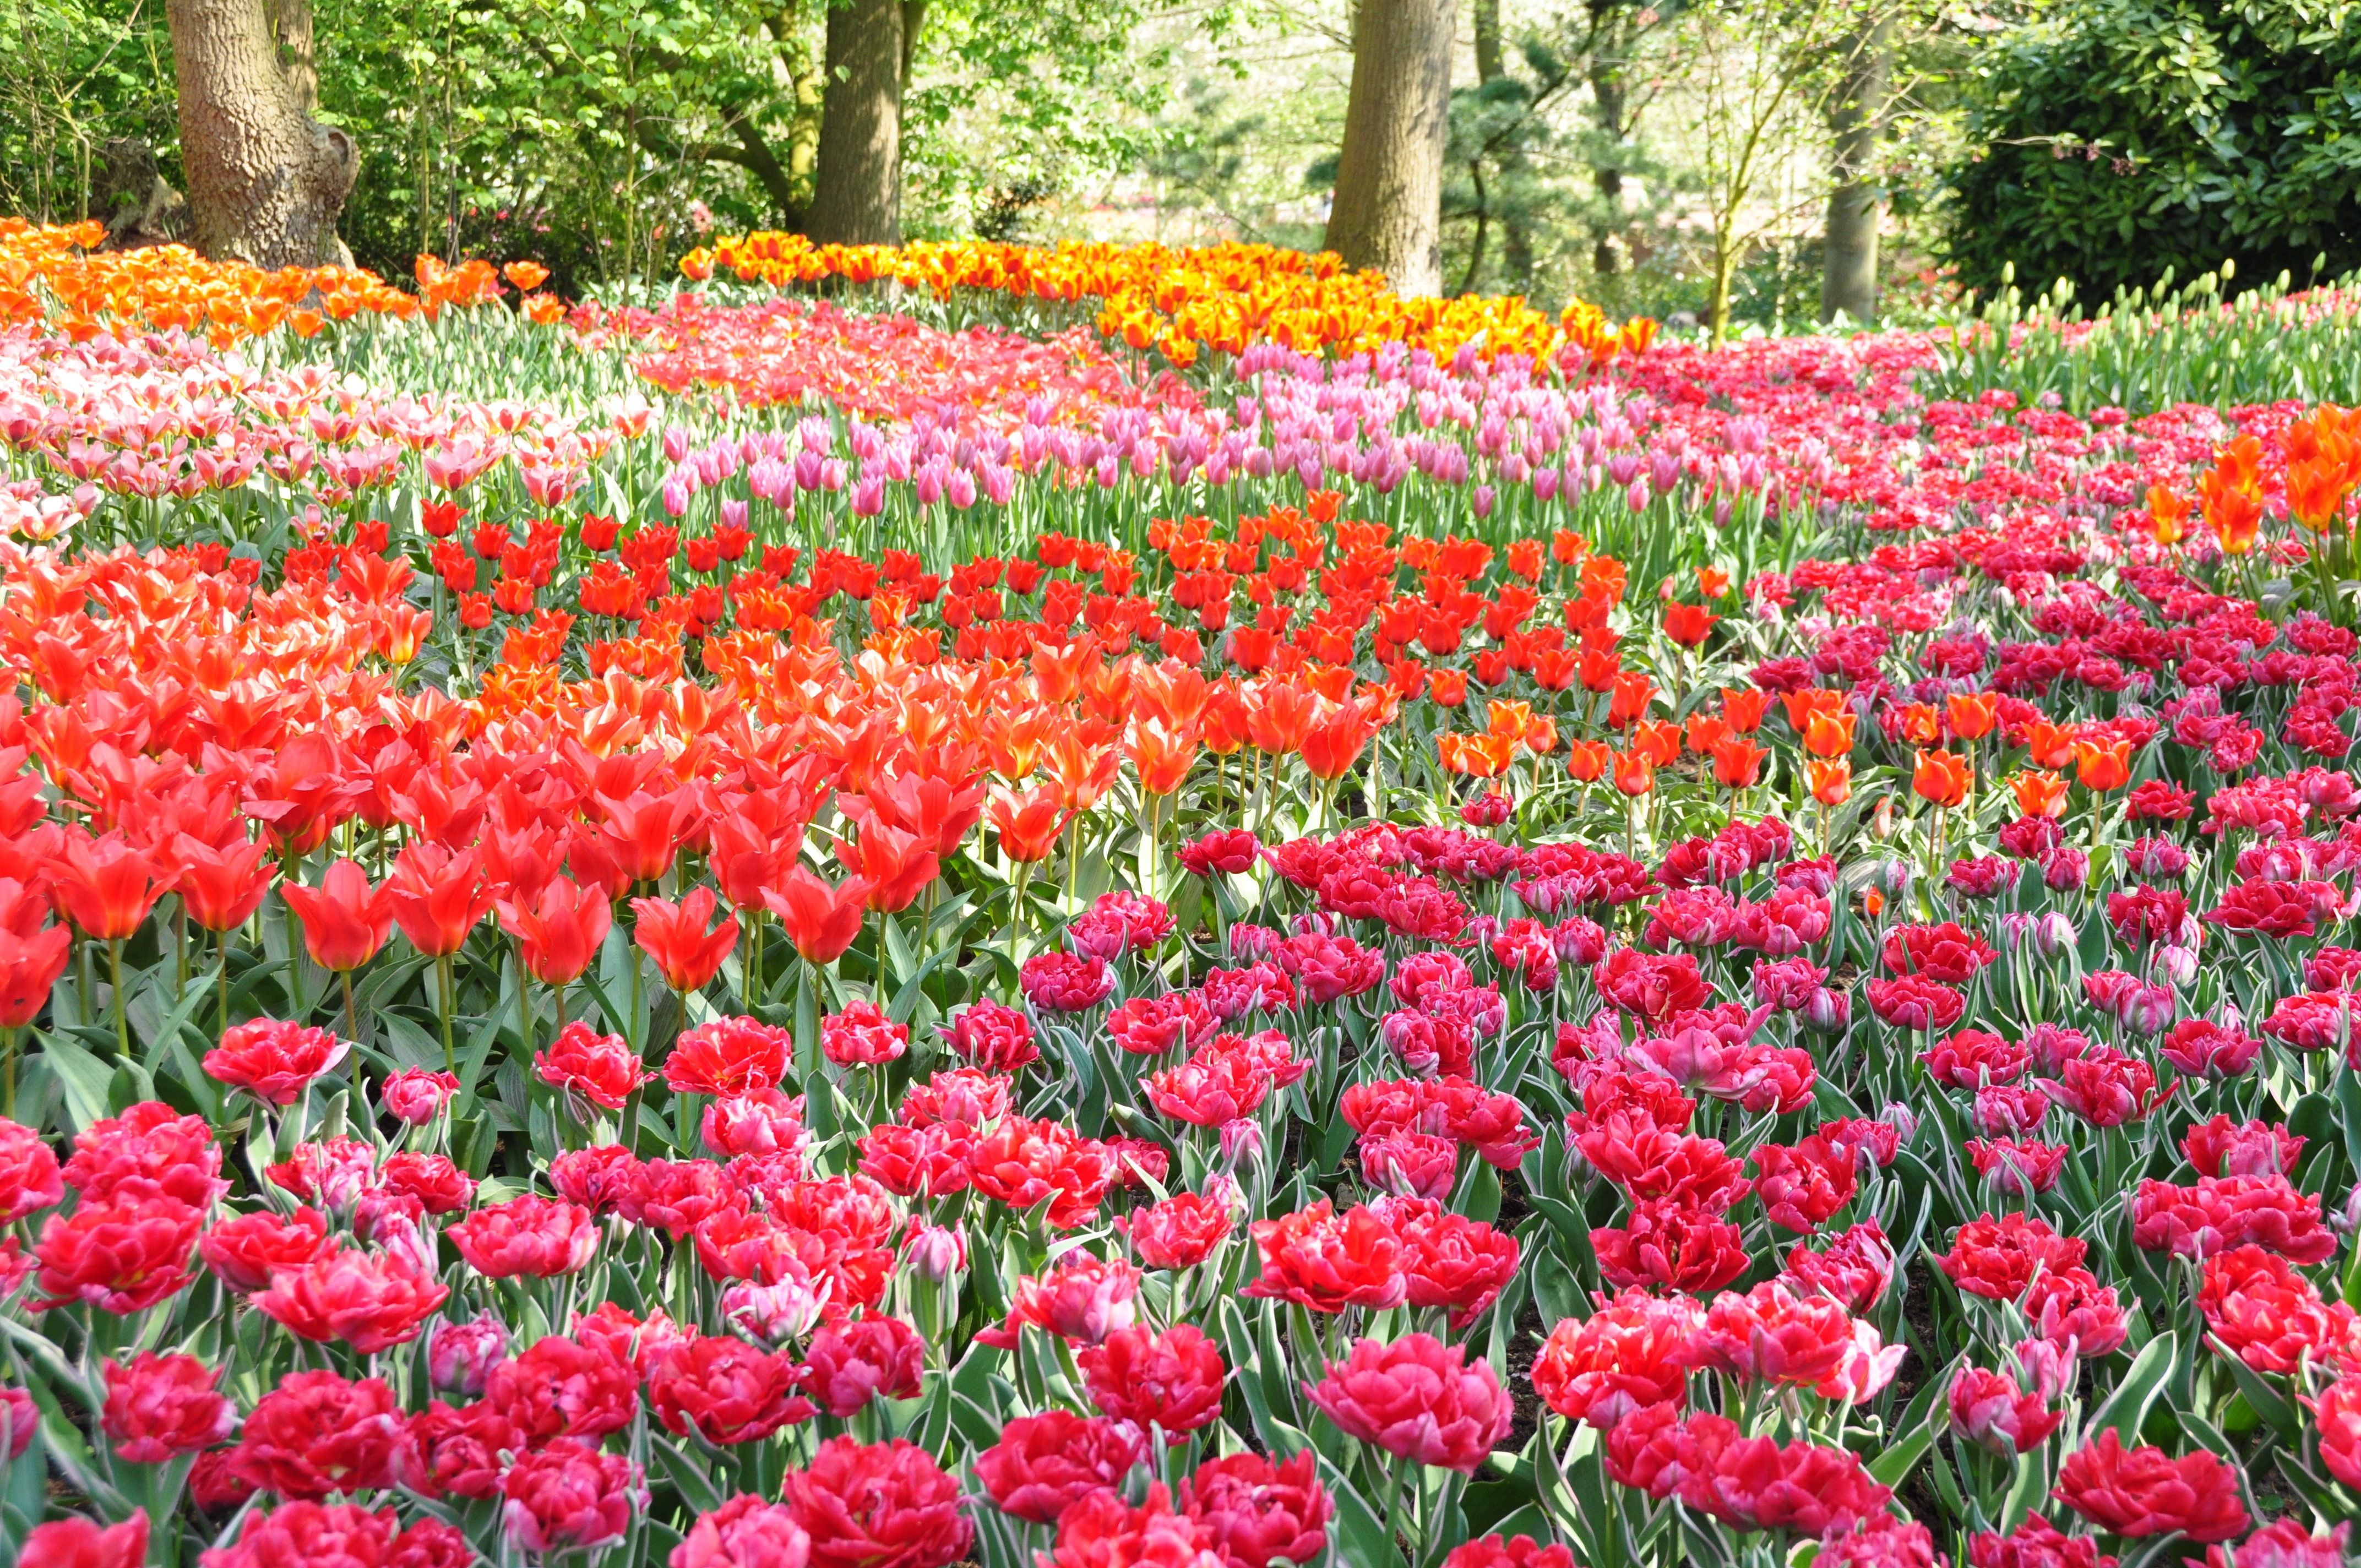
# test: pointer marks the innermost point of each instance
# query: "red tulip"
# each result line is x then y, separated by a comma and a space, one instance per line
560, 931
77, 1543
820, 920
728, 1390
886, 1502
528, 1235
317, 1433
1417, 1399
438, 898
160, 1405
2142, 1492
274, 1061
108, 885
674, 935
372, 1302
220, 887
744, 1533
346, 921
570, 1497
1044, 1464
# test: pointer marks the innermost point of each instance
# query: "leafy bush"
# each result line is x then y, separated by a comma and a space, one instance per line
2123, 137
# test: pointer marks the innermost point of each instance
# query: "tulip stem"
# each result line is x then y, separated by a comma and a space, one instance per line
122, 1021
8, 1075
224, 990
442, 973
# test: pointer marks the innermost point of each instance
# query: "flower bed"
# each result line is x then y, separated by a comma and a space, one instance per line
694, 957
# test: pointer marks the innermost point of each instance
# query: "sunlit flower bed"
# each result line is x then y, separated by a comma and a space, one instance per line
627, 940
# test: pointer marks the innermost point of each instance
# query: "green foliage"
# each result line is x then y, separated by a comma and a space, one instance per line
602, 137
2147, 352
2118, 138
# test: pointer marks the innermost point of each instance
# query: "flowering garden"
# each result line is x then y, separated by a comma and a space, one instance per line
1102, 908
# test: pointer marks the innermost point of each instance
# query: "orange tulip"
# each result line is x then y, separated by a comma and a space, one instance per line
1162, 754
1919, 726
1712, 584
1940, 777
1971, 717
1029, 824
2168, 514
1831, 781
2315, 493
1738, 762
1802, 705
1659, 740
2234, 514
1689, 624
1587, 759
1509, 719
1336, 743
1635, 774
2240, 465
2102, 765
2051, 745
1706, 731
1743, 707
1829, 734
2039, 794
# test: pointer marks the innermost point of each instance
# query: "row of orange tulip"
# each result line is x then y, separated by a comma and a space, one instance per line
1182, 302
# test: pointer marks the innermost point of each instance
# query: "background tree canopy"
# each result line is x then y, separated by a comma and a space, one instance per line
1679, 158
2114, 138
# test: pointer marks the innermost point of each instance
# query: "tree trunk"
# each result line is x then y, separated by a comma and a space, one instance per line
1516, 220
857, 187
266, 180
291, 25
1490, 59
1387, 213
1610, 99
1856, 204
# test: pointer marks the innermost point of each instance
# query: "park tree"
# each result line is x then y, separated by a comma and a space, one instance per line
1857, 117
266, 180
1387, 210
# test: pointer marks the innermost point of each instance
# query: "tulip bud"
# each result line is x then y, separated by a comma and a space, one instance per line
1901, 1119
1222, 1190
935, 1252
2052, 935
1829, 1012
2047, 1368
2065, 870
2147, 1009
414, 1095
788, 1310
2347, 1217
1241, 1141
460, 1356
1894, 876
2178, 965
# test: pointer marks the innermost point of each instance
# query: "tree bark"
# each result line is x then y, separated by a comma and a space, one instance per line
1516, 220
1387, 213
857, 187
1609, 98
1856, 203
266, 180
290, 25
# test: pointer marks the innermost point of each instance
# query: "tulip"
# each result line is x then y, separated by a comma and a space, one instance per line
674, 935
558, 933
1941, 778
